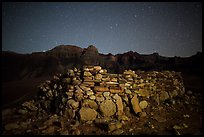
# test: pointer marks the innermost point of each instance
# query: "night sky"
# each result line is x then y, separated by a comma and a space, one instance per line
170, 29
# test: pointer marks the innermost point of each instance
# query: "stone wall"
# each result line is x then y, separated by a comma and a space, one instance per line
92, 94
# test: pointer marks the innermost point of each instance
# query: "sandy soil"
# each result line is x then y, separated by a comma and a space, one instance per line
16, 91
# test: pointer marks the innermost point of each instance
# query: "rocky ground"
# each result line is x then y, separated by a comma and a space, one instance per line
93, 102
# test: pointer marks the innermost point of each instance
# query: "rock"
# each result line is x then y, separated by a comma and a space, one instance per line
177, 127
185, 126
125, 99
123, 117
41, 127
106, 94
101, 71
135, 104
173, 102
52, 118
159, 119
127, 91
76, 82
107, 108
98, 76
87, 114
64, 132
156, 99
28, 131
181, 90
119, 104
90, 103
186, 116
70, 94
144, 93
30, 105
87, 74
127, 111
143, 114
11, 126
75, 125
89, 93
66, 80
100, 99
70, 72
70, 113
103, 120
143, 104
49, 93
84, 93
114, 79
113, 126
60, 87
49, 130
189, 92
87, 83
24, 125
101, 89
76, 132
92, 97
73, 104
105, 79
116, 89
78, 97
55, 86
127, 84
97, 68
163, 96
129, 72
22, 111
173, 93
112, 83
117, 132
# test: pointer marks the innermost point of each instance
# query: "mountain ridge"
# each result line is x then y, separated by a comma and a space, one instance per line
60, 58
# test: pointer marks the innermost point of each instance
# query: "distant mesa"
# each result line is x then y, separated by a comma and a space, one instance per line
63, 57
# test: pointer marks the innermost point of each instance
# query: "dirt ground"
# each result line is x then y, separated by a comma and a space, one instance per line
182, 118
15, 92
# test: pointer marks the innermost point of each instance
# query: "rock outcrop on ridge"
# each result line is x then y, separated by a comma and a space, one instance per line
63, 57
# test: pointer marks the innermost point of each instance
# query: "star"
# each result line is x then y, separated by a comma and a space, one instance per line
111, 27
116, 24
135, 16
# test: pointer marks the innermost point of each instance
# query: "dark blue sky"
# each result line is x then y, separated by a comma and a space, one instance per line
171, 29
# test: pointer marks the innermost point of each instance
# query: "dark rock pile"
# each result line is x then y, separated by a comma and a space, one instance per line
92, 95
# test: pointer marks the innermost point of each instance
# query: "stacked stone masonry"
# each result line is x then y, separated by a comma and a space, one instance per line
93, 94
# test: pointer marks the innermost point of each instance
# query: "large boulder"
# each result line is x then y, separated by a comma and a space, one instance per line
87, 114
119, 104
108, 108
135, 104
